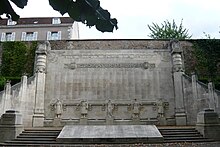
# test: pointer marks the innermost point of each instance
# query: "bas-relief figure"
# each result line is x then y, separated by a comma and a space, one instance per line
58, 107
161, 107
110, 108
136, 109
84, 109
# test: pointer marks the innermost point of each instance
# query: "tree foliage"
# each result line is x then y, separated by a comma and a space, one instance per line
203, 59
88, 12
208, 58
17, 58
168, 30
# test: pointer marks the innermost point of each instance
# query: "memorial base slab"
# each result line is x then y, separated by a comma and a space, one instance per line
110, 134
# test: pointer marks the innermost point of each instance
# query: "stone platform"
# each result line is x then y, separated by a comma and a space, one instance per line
110, 134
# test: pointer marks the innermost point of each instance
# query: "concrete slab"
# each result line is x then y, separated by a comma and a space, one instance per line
110, 133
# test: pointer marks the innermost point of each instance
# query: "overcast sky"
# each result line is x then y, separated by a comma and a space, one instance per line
134, 15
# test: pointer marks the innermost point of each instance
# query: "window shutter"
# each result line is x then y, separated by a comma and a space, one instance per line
3, 37
59, 35
35, 35
48, 35
23, 36
13, 36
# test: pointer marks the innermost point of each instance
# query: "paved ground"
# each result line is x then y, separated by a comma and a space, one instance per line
207, 144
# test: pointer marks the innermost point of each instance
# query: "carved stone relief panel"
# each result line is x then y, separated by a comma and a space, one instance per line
144, 65
111, 109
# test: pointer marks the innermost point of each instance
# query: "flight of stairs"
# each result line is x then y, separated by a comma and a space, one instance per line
47, 136
35, 137
182, 134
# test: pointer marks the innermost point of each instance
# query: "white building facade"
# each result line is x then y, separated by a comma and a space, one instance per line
44, 28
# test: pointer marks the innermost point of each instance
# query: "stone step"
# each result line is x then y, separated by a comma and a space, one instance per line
44, 129
39, 134
182, 135
30, 142
45, 137
168, 129
35, 139
40, 131
183, 138
35, 136
62, 145
189, 140
179, 133
177, 130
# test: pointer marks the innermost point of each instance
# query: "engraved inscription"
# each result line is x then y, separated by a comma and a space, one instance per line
144, 65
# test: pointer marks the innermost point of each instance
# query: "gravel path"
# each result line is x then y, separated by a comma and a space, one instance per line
204, 144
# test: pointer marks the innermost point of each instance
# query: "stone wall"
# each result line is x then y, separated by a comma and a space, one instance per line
99, 71
198, 97
109, 82
19, 97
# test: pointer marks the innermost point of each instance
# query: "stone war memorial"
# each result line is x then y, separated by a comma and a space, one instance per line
125, 87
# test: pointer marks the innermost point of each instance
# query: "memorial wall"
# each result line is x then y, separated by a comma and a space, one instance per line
109, 82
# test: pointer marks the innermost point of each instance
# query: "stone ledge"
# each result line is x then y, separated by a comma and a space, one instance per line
110, 133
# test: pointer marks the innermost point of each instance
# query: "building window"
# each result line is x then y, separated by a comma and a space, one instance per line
9, 36
56, 20
29, 36
55, 35
11, 22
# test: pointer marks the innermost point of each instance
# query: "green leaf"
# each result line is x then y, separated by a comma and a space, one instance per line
85, 11
61, 5
95, 4
168, 30
74, 11
104, 26
103, 14
6, 8
20, 3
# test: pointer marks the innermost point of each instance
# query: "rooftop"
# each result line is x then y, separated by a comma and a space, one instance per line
37, 20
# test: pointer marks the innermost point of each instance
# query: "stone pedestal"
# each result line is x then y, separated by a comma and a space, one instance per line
109, 121
57, 122
38, 120
136, 120
83, 121
180, 118
11, 125
162, 121
208, 124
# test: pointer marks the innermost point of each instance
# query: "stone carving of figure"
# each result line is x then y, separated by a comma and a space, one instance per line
135, 108
160, 106
84, 108
58, 107
110, 108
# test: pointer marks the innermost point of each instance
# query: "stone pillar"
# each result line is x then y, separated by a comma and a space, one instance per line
10, 125
211, 96
23, 93
176, 53
208, 124
23, 88
7, 103
41, 54
194, 87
